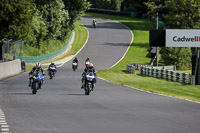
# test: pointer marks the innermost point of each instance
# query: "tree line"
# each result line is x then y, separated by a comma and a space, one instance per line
39, 22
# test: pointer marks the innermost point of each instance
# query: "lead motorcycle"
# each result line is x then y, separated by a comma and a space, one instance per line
89, 82
36, 81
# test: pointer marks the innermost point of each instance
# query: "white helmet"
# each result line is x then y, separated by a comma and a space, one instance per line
38, 65
91, 65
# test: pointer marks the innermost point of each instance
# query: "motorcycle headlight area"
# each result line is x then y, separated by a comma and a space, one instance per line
89, 78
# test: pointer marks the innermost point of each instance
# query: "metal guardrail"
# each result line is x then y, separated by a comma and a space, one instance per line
46, 57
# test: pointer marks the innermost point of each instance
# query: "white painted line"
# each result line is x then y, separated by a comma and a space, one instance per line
5, 132
5, 123
4, 129
128, 46
3, 118
79, 50
2, 121
4, 126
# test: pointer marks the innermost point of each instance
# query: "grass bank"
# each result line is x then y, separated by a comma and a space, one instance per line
80, 39
138, 53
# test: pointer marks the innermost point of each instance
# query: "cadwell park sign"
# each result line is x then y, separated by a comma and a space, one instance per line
182, 38
175, 38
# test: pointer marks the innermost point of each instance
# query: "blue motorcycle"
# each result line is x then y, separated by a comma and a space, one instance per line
37, 81
90, 79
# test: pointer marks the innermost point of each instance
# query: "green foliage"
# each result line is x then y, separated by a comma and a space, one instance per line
134, 5
106, 4
183, 14
15, 18
76, 9
40, 23
38, 31
55, 18
180, 57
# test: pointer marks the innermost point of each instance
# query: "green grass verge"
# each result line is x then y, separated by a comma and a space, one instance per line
80, 39
138, 54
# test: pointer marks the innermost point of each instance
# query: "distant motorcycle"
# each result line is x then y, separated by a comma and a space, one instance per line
52, 72
95, 24
37, 82
74, 66
89, 82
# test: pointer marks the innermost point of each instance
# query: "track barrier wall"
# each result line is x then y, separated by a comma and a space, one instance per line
10, 68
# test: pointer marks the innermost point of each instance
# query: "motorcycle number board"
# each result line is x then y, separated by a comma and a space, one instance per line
182, 38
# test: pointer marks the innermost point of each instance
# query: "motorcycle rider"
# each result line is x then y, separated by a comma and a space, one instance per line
75, 60
52, 65
88, 69
37, 68
87, 62
94, 21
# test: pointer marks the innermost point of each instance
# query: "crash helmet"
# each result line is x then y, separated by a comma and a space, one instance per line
38, 66
90, 65
52, 63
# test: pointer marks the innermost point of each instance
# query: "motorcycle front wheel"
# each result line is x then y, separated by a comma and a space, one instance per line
34, 89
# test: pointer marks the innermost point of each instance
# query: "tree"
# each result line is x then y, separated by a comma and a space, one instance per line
55, 17
135, 6
107, 4
15, 18
75, 9
180, 57
183, 14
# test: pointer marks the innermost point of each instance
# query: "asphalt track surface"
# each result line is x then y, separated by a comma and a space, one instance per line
62, 107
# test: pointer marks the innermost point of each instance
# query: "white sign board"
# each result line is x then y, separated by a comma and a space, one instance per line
182, 38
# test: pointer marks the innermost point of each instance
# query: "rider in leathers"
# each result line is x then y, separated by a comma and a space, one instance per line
34, 69
90, 68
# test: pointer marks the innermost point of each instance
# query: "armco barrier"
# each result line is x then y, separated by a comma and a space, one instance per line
169, 75
10, 68
46, 57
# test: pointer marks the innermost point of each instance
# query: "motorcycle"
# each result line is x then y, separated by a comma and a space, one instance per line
89, 82
95, 24
52, 72
74, 66
37, 82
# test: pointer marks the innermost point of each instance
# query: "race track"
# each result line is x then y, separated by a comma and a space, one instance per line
62, 107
